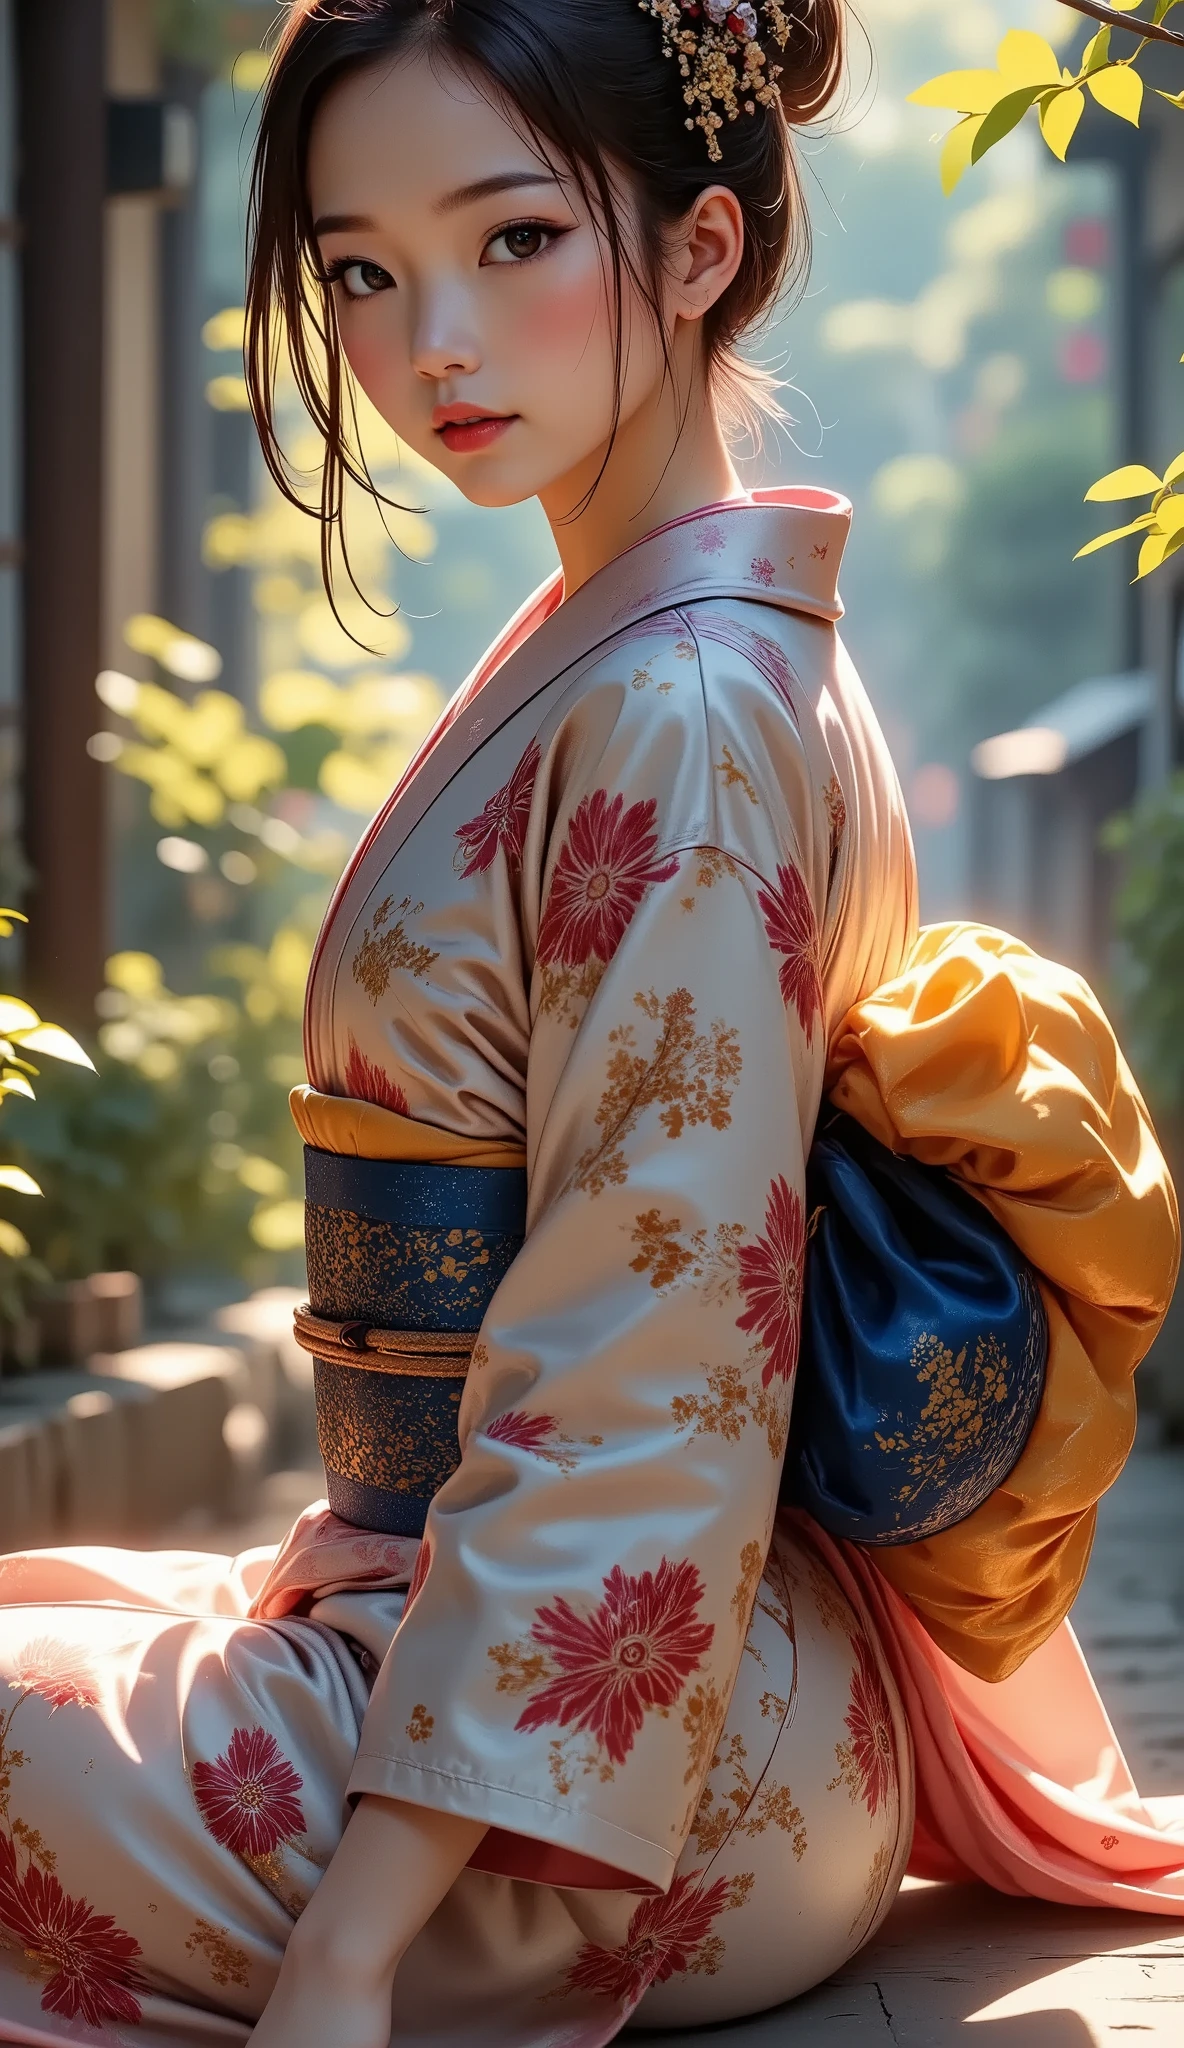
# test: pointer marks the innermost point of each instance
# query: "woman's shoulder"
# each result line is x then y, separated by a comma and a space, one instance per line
706, 710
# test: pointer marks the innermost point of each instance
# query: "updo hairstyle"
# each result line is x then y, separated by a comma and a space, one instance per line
588, 81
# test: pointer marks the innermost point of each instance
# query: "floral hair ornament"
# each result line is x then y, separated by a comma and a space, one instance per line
719, 53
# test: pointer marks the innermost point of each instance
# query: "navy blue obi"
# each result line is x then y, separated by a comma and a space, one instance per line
924, 1346
403, 1261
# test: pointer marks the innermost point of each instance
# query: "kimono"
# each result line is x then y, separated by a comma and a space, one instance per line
649, 874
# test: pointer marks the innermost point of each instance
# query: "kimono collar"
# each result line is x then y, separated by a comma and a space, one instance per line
780, 548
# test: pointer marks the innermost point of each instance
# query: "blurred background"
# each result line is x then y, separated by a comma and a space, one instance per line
190, 744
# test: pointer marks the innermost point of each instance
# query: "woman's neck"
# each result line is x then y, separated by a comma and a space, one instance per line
657, 470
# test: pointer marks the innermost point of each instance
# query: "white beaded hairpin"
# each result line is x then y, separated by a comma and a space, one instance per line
724, 69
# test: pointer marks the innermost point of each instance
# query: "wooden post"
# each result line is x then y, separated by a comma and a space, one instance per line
63, 179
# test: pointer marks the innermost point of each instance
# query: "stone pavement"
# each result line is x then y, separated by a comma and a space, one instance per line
960, 1966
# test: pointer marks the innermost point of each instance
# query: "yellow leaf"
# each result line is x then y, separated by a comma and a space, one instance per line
13, 1242
228, 394
139, 975
1133, 480
967, 92
279, 1226
253, 763
1170, 517
262, 1176
212, 726
18, 1180
1026, 59
297, 697
1120, 90
226, 329
16, 1016
1058, 120
1151, 554
51, 1039
193, 660
1174, 473
955, 155
13, 1082
1103, 540
1005, 115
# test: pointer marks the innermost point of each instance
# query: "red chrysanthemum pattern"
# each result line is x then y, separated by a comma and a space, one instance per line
791, 930
632, 1654
770, 1279
366, 1082
91, 1961
666, 1937
869, 1724
604, 868
247, 1798
526, 1432
762, 570
502, 824
57, 1672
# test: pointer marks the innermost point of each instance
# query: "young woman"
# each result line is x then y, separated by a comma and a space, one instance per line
611, 1739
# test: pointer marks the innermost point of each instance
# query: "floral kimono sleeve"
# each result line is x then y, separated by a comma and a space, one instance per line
575, 1629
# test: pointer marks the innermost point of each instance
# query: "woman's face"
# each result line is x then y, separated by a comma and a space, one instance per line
471, 282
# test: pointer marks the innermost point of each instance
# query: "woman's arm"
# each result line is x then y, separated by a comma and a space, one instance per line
394, 1864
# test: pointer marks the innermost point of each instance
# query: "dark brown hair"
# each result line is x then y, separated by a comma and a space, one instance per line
588, 80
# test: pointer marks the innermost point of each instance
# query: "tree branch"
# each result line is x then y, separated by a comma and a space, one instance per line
1155, 31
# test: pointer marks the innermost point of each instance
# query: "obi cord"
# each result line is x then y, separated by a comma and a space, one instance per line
924, 1346
403, 1261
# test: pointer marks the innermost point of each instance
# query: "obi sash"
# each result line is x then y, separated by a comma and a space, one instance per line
924, 1339
923, 1350
403, 1261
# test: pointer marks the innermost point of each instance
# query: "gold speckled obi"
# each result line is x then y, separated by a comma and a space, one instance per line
403, 1260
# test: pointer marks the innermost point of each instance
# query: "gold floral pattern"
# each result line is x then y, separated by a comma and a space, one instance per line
702, 1720
952, 1420
711, 866
752, 1565
728, 1402
734, 776
744, 1808
836, 811
382, 952
421, 1724
873, 1895
708, 1259
689, 1076
228, 1963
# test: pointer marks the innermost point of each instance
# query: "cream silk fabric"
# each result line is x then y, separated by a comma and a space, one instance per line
651, 859
652, 854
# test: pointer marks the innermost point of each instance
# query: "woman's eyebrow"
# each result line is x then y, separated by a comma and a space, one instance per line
485, 188
344, 224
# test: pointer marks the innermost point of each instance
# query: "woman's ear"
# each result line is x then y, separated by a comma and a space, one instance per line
707, 247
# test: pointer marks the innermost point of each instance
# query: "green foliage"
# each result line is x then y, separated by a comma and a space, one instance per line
182, 1154
1029, 76
1150, 928
22, 1031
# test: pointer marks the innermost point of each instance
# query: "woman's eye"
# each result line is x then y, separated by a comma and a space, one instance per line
361, 280
518, 243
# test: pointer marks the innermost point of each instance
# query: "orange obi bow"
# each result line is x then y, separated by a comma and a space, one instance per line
985, 1059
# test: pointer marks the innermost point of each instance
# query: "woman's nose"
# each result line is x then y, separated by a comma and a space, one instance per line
444, 343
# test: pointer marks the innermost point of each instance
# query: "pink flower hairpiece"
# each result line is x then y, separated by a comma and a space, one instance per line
724, 69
